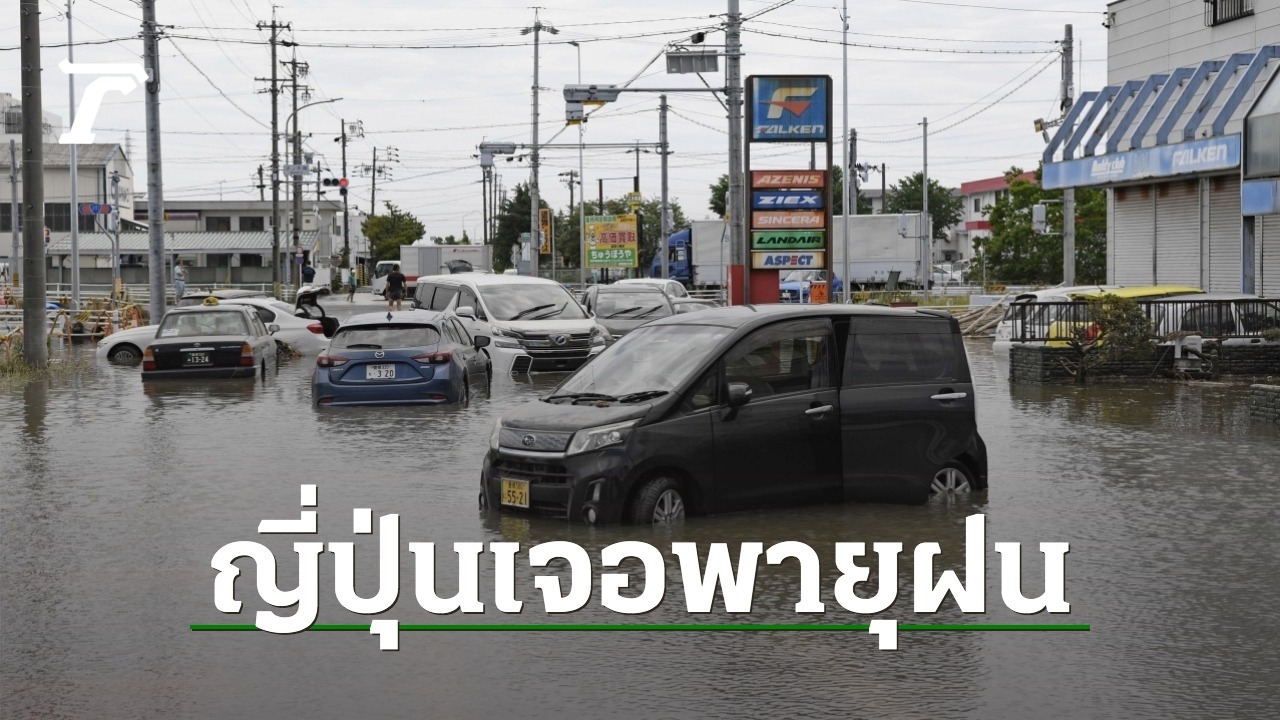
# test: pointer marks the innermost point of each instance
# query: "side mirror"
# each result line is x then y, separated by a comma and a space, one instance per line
466, 311
273, 328
739, 394
480, 341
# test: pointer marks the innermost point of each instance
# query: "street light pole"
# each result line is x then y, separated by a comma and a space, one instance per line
534, 228
297, 152
582, 200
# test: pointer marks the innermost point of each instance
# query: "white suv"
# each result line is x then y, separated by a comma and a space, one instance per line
536, 325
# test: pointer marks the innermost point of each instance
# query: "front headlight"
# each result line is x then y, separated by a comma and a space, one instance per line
600, 336
600, 437
497, 432
503, 339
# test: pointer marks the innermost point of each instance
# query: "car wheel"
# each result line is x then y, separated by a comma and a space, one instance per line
659, 501
952, 480
124, 353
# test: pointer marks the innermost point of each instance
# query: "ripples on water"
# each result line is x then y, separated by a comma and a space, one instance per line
115, 497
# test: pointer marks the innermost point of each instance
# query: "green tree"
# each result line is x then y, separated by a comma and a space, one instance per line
513, 219
720, 189
1114, 330
1016, 253
388, 232
945, 209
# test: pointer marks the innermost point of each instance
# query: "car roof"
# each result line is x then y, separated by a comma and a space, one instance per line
227, 293
209, 308
1145, 291
1216, 296
645, 281
400, 317
745, 315
630, 288
483, 279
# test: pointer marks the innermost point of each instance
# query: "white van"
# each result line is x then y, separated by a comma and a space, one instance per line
536, 325
1009, 328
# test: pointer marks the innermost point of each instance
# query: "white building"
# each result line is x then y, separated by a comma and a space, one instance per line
1186, 139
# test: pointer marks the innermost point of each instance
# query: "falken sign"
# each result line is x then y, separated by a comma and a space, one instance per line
1196, 156
786, 200
789, 108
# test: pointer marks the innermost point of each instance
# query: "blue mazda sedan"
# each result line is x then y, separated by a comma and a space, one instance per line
413, 357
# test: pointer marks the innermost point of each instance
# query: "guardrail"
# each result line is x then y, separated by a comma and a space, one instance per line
1168, 319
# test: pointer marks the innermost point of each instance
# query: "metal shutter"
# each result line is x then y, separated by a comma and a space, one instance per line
1134, 235
1267, 237
1224, 234
1178, 233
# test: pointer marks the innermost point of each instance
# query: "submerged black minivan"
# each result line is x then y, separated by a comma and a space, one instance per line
747, 407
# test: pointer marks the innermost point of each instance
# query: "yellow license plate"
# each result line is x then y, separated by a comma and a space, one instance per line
515, 493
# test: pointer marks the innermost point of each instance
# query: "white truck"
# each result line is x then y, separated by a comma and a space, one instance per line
430, 259
876, 251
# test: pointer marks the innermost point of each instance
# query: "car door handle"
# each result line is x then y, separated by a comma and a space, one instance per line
818, 410
943, 397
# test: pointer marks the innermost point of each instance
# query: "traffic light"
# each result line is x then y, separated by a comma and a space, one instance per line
329, 182
342, 184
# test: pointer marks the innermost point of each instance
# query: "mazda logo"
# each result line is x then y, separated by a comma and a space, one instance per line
196, 344
560, 339
528, 440
379, 354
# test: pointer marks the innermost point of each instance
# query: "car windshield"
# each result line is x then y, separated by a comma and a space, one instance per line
530, 301
195, 324
800, 276
654, 358
632, 305
381, 337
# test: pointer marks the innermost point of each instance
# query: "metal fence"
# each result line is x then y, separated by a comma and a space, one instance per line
1168, 319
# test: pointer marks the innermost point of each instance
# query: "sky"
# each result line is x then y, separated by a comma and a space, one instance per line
433, 79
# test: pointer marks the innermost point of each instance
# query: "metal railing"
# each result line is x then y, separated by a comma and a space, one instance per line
1217, 12
1210, 319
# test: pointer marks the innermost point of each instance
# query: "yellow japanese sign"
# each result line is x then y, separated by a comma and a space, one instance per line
612, 241
544, 222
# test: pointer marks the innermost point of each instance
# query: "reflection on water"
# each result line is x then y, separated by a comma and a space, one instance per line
116, 494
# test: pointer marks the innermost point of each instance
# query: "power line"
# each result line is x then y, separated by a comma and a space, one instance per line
1001, 7
957, 51
909, 37
215, 86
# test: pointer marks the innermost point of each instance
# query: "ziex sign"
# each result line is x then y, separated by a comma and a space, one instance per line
811, 240
787, 261
788, 179
787, 200
789, 220
789, 108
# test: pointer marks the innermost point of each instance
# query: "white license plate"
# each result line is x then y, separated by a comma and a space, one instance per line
380, 372
199, 358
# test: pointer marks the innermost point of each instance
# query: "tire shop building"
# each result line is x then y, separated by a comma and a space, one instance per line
1186, 139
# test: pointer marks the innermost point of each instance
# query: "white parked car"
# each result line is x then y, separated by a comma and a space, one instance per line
536, 325
307, 334
1039, 319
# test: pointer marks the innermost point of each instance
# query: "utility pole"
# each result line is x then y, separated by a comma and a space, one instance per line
296, 70
850, 152
13, 214
736, 197
665, 224
1068, 194
534, 203
926, 234
275, 28
155, 183
35, 352
75, 170
261, 185
115, 231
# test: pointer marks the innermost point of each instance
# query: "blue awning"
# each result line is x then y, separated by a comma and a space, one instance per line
1187, 110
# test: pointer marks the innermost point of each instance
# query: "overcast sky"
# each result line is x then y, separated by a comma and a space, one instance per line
981, 72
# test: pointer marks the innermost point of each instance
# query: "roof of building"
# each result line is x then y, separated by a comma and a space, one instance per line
974, 187
179, 242
59, 156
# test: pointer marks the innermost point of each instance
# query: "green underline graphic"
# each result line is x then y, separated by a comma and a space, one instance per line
669, 627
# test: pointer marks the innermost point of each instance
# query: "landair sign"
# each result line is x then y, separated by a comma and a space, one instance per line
789, 108
810, 240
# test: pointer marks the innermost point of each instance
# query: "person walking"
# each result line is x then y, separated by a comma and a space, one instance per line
395, 287
351, 285
179, 280
308, 273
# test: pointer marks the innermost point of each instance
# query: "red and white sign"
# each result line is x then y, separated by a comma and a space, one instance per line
788, 179
794, 220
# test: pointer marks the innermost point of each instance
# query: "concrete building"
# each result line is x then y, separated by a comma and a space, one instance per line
11, 114
96, 165
1186, 139
979, 196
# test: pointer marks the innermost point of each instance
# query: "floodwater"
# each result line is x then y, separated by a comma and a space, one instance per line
116, 497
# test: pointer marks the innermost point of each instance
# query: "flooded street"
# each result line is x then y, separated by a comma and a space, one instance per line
116, 497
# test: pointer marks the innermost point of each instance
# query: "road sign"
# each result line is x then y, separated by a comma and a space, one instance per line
544, 223
634, 199
94, 209
295, 170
